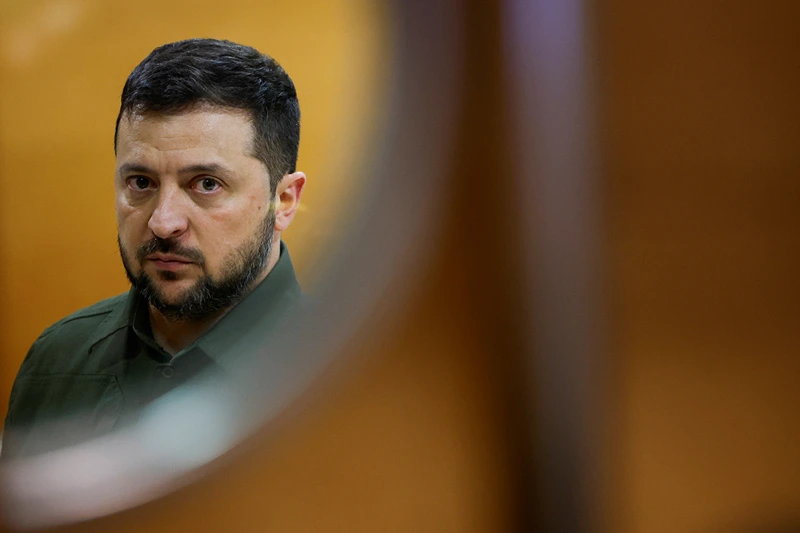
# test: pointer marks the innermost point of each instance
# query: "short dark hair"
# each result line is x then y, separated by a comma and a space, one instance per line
178, 76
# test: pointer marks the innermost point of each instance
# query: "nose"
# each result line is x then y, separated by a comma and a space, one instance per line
169, 219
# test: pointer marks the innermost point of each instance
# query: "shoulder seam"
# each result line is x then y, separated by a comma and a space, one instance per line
106, 307
84, 315
102, 307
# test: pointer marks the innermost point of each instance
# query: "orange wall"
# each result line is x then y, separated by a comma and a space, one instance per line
62, 67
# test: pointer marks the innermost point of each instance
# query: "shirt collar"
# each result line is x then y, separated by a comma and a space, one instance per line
257, 314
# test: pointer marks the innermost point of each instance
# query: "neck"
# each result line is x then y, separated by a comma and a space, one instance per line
173, 335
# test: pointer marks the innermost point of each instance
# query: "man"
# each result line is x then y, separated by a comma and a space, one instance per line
206, 145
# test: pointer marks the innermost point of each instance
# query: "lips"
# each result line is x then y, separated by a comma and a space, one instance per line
169, 261
168, 258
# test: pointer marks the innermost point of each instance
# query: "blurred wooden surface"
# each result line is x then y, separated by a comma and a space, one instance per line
701, 141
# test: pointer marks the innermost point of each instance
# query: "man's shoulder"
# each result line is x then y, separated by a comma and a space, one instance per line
99, 309
87, 317
72, 331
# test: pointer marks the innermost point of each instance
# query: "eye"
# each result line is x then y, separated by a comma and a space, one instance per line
207, 185
139, 183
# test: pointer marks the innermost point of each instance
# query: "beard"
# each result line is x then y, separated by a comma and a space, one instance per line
208, 295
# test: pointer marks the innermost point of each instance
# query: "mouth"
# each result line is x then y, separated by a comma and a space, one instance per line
169, 261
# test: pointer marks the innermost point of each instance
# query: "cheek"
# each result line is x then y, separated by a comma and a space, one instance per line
225, 230
130, 219
224, 233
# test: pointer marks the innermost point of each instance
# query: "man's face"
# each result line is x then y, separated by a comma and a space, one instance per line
193, 209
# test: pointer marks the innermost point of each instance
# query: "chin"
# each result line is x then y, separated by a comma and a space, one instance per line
173, 292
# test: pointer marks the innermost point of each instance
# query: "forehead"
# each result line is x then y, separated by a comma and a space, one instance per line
223, 132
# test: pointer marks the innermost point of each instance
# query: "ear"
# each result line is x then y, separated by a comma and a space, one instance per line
287, 199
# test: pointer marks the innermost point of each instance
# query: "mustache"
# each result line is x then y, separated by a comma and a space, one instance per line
169, 246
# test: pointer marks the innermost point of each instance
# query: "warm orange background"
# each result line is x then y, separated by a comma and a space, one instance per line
62, 67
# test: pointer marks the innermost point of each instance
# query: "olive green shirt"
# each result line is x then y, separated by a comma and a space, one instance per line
101, 364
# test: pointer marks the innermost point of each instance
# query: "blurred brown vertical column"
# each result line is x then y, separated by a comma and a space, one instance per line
528, 148
480, 260
550, 58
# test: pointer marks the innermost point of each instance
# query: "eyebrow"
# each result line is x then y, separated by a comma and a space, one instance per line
211, 168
